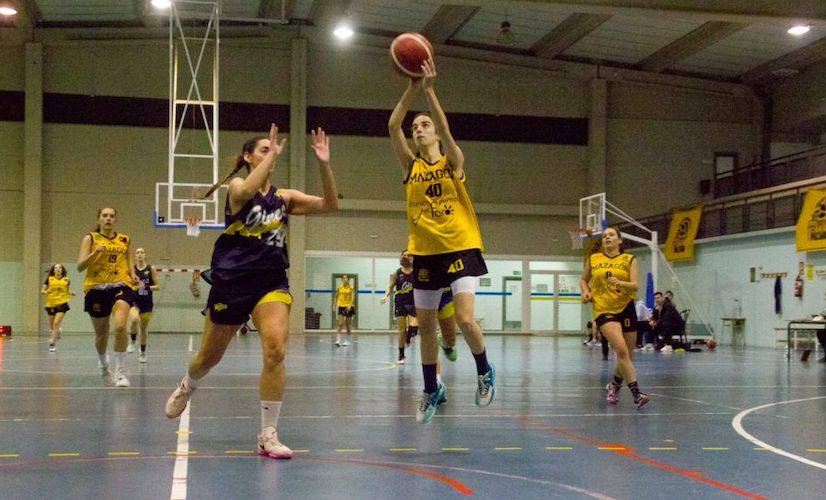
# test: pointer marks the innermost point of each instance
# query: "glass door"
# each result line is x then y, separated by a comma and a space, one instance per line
569, 303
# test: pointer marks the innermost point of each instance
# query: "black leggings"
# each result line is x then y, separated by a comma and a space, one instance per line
821, 337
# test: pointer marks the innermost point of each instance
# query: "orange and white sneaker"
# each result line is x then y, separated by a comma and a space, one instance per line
270, 446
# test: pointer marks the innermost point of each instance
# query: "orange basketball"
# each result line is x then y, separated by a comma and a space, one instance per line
408, 52
711, 344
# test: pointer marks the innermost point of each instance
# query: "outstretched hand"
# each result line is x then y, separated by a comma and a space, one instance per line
321, 145
275, 145
429, 70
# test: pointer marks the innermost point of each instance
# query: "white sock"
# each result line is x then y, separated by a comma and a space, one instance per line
103, 360
119, 360
190, 383
438, 378
269, 414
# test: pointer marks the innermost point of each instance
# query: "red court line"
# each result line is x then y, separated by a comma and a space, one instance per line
456, 485
628, 452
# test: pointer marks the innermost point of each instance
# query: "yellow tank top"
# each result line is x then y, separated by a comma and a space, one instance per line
346, 296
57, 291
439, 211
111, 266
605, 297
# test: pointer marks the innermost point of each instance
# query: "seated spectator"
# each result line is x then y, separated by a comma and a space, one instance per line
666, 322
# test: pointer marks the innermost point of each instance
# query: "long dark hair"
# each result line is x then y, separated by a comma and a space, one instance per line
619, 235
240, 162
52, 273
100, 211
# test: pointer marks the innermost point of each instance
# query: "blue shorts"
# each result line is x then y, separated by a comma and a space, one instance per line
231, 302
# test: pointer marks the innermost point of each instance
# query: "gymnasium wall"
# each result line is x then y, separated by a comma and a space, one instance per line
661, 144
87, 165
721, 272
799, 103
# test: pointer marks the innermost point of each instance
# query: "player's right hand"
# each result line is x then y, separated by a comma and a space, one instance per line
586, 297
98, 249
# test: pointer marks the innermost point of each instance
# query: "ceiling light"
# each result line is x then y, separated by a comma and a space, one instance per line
505, 35
161, 4
799, 30
7, 11
343, 31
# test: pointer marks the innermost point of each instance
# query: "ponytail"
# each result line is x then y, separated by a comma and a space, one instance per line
240, 162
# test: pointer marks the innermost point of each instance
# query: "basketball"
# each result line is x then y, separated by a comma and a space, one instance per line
711, 344
408, 52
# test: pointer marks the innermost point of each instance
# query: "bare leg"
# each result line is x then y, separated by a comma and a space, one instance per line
214, 343
467, 323
271, 320
625, 366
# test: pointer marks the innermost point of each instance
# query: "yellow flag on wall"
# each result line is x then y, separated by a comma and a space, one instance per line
811, 226
681, 234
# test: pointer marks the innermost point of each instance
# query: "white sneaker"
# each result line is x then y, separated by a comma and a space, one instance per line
120, 378
176, 404
400, 361
142, 357
106, 375
270, 446
667, 348
337, 343
52, 346
648, 347
345, 343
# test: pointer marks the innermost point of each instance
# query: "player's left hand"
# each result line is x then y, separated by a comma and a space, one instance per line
613, 280
321, 145
429, 70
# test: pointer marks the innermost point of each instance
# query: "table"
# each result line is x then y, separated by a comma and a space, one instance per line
738, 325
807, 324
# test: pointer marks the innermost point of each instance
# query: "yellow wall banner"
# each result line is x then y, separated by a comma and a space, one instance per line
811, 226
681, 234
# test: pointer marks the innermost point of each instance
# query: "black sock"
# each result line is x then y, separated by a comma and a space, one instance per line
401, 352
618, 381
134, 336
482, 366
143, 348
430, 383
412, 331
634, 389
604, 348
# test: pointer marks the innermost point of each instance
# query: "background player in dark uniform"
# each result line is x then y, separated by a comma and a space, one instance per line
401, 285
141, 312
249, 275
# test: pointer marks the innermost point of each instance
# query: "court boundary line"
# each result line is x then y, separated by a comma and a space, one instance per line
179, 472
737, 424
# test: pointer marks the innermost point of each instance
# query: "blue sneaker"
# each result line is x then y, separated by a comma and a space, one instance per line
429, 403
486, 387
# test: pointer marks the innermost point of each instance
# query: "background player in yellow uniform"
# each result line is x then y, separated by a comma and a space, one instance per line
56, 289
609, 283
444, 236
345, 305
109, 287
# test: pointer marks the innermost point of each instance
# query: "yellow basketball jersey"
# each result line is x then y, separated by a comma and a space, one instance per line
57, 291
111, 266
607, 298
439, 211
346, 296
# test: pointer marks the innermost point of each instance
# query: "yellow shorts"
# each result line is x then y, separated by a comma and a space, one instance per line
448, 311
277, 296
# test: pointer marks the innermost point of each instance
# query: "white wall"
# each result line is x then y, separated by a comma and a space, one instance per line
720, 273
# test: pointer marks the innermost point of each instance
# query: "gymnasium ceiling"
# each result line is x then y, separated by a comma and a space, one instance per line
742, 41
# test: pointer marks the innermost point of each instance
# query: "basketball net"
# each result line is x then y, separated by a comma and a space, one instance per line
193, 226
578, 237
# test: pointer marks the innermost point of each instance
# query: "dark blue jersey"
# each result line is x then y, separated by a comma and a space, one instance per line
145, 277
254, 240
404, 287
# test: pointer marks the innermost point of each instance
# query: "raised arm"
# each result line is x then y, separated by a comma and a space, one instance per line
242, 190
452, 151
394, 126
87, 253
299, 203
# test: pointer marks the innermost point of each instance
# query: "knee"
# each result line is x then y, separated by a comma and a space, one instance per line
465, 321
274, 354
623, 353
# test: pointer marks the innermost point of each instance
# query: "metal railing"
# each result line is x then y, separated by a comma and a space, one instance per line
764, 209
760, 175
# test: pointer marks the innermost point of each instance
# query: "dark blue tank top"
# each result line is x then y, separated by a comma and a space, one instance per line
404, 287
146, 277
254, 239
